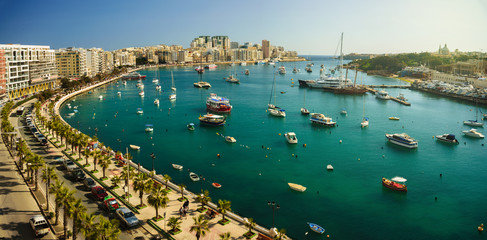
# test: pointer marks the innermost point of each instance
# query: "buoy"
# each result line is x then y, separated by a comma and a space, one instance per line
340, 141
304, 145
383, 156
279, 134
218, 155
327, 236
266, 156
432, 136
481, 229
359, 159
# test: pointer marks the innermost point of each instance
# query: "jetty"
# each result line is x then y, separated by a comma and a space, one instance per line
387, 86
390, 97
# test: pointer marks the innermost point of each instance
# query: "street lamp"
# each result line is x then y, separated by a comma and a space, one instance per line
153, 157
201, 183
274, 207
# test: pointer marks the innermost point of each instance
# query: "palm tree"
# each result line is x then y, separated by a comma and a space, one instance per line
225, 236
174, 223
115, 181
48, 174
204, 198
105, 163
250, 224
107, 229
158, 198
200, 226
75, 209
280, 234
166, 178
82, 143
56, 189
66, 197
142, 183
181, 188
87, 224
35, 164
223, 207
95, 154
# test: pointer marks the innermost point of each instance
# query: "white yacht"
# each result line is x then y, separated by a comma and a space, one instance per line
382, 95
277, 112
473, 123
149, 128
321, 119
155, 80
365, 122
172, 97
141, 93
119, 94
100, 97
243, 64
291, 137
402, 139
473, 133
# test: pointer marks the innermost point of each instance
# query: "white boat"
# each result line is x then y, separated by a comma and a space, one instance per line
135, 147
382, 95
282, 70
71, 114
149, 128
449, 138
100, 97
291, 137
156, 102
329, 167
202, 84
230, 139
277, 112
297, 187
119, 94
295, 70
343, 112
402, 139
304, 111
243, 64
322, 119
158, 88
177, 167
194, 177
155, 80
141, 93
365, 122
232, 79
473, 123
124, 82
140, 111
172, 97
272, 108
473, 133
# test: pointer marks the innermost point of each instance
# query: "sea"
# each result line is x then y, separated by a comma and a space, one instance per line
446, 196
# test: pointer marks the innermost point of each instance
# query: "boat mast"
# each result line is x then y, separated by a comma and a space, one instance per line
272, 90
355, 80
341, 59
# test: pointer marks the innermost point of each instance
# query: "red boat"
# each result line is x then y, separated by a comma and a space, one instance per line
395, 183
215, 103
133, 76
200, 69
216, 185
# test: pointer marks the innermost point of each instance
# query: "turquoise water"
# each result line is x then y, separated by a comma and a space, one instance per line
350, 202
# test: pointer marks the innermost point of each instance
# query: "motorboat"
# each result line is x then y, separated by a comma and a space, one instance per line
329, 167
382, 95
211, 66
473, 123
199, 69
316, 228
402, 139
295, 70
271, 107
394, 118
401, 97
194, 177
308, 69
282, 70
134, 147
149, 128
100, 97
177, 167
216, 185
212, 119
140, 85
172, 97
304, 111
133, 76
247, 72
190, 126
119, 94
141, 93
230, 139
243, 64
277, 112
156, 102
140, 111
158, 88
449, 138
365, 122
218, 104
395, 183
297, 187
322, 119
71, 114
232, 79
202, 84
291, 137
473, 133
343, 112
155, 80
124, 82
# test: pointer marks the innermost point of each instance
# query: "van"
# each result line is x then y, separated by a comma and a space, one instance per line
39, 225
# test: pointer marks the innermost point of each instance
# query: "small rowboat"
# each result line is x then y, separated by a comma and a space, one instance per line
394, 118
230, 139
135, 147
177, 167
297, 187
329, 167
316, 228
216, 185
194, 177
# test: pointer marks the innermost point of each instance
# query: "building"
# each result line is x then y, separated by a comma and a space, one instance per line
443, 50
3, 77
71, 62
234, 45
266, 49
28, 69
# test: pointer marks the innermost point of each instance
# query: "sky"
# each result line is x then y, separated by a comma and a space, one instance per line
308, 27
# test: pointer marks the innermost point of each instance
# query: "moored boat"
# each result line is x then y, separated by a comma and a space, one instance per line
321, 119
395, 183
473, 123
382, 95
365, 122
158, 88
282, 70
211, 66
172, 97
140, 111
177, 167
304, 111
119, 94
133, 76
218, 104
212, 119
394, 118
291, 137
230, 139
156, 102
135, 147
194, 177
402, 139
141, 93
329, 167
449, 138
190, 126
316, 228
473, 133
149, 128
199, 69
100, 97
247, 72
202, 84
297, 187
216, 185
232, 79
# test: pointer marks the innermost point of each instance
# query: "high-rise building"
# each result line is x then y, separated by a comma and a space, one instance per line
266, 49
3, 77
233, 45
71, 62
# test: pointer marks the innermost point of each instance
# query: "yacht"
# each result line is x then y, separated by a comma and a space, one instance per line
473, 123
212, 119
124, 82
100, 97
365, 122
230, 139
155, 80
382, 95
321, 119
215, 103
473, 133
449, 138
232, 79
172, 97
243, 64
158, 87
202, 84
247, 72
291, 137
211, 66
295, 70
402, 139
277, 112
304, 111
141, 93
119, 94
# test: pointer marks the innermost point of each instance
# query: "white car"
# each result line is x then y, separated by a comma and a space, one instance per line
69, 165
39, 225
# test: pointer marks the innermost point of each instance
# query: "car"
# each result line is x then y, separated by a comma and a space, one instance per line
43, 141
127, 217
110, 203
69, 165
33, 130
89, 183
99, 193
39, 225
77, 175
58, 160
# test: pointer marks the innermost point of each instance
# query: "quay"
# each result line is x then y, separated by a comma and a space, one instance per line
392, 98
387, 86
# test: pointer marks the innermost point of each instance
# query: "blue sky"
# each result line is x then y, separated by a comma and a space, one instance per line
309, 27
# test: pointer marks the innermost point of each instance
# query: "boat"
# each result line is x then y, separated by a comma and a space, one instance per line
177, 167
71, 114
474, 123
199, 70
243, 64
155, 80
202, 84
395, 183
365, 122
140, 111
232, 79
119, 94
158, 87
297, 187
316, 228
211, 119
473, 133
133, 76
140, 85
322, 119
190, 126
291, 137
100, 97
173, 87
194, 177
141, 93
216, 185
295, 70
247, 72
149, 128
124, 82
401, 97
449, 138
230, 139
402, 139
282, 70
382, 95
394, 118
329, 167
272, 108
343, 111
308, 69
304, 111
135, 147
156, 102
172, 97
218, 104
211, 66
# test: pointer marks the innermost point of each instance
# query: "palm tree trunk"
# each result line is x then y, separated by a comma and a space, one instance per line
141, 195
65, 224
57, 214
75, 228
35, 180
48, 182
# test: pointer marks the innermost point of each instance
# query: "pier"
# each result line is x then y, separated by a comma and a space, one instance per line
387, 86
392, 98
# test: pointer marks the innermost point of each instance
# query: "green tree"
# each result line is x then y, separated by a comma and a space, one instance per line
157, 199
250, 224
200, 226
56, 190
75, 209
223, 207
142, 183
181, 188
105, 161
166, 178
48, 174
225, 236
280, 234
174, 223
204, 198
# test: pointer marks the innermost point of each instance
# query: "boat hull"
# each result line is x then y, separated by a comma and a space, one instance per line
394, 186
402, 143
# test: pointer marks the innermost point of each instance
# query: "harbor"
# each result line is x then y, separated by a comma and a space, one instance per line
266, 162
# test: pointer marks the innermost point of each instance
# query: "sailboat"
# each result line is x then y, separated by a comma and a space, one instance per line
474, 123
304, 111
232, 79
156, 79
365, 120
272, 108
343, 88
173, 94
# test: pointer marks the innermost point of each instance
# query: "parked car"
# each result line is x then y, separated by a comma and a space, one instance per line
39, 225
43, 141
89, 183
110, 203
69, 165
77, 175
99, 193
127, 217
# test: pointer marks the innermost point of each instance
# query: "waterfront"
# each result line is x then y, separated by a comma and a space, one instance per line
350, 202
